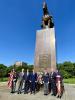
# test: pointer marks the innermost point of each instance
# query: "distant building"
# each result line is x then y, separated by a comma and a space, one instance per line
19, 63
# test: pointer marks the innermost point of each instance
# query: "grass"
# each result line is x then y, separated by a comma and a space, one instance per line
3, 79
70, 81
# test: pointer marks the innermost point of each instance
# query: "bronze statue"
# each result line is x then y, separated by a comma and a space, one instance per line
47, 20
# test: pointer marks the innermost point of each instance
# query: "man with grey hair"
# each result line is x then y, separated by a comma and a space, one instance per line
21, 80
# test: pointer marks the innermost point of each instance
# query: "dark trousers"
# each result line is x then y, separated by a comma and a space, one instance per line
26, 86
13, 86
37, 86
32, 87
49, 87
53, 88
46, 89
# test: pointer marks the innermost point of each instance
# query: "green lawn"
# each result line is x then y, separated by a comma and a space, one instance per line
3, 79
70, 80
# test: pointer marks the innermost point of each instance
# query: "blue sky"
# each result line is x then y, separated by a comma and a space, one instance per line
19, 20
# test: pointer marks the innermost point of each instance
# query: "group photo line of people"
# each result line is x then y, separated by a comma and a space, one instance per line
33, 82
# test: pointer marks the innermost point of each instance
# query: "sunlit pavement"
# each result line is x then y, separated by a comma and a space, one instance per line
5, 94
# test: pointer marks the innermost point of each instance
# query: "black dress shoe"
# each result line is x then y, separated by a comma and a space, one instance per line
52, 94
45, 94
58, 96
12, 92
17, 92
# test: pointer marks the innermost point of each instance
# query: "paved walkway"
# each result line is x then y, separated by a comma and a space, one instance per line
6, 95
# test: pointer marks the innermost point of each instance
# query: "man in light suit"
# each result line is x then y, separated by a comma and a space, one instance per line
21, 80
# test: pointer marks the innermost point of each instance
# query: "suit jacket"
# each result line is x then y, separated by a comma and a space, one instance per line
33, 77
21, 76
53, 77
26, 77
46, 78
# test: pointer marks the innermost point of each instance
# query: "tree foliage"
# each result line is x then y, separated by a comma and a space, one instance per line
67, 69
3, 69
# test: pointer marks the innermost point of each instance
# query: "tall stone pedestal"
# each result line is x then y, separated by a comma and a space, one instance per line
45, 53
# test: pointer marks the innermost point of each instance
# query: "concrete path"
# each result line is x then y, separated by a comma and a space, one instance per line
5, 94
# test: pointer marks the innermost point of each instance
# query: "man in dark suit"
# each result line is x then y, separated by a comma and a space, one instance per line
53, 82
33, 80
46, 82
26, 84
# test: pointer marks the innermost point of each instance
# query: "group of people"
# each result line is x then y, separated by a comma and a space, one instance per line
32, 82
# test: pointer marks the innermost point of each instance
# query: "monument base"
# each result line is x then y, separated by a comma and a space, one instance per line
45, 53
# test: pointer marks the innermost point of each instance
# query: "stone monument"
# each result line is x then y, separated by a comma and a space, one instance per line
45, 51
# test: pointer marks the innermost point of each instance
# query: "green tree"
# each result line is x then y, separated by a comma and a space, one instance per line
3, 69
69, 67
74, 69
